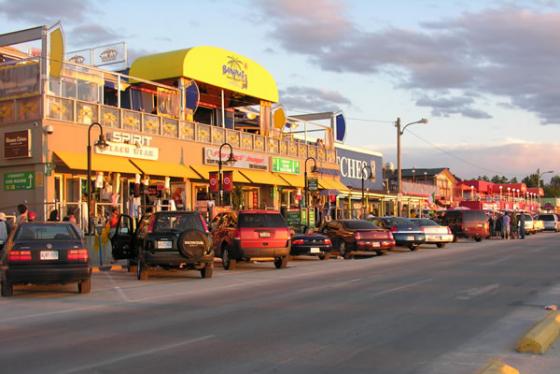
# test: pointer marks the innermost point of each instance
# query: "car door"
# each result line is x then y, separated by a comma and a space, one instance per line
122, 241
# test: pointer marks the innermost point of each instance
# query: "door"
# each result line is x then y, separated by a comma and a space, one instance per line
123, 240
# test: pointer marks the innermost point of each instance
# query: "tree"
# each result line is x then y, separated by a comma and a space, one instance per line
513, 180
499, 179
531, 180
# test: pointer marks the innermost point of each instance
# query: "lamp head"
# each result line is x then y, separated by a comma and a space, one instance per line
314, 169
231, 157
423, 120
101, 142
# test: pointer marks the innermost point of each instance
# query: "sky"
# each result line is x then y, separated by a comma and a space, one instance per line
484, 73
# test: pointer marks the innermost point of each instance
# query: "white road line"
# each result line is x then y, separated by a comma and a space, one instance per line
117, 288
474, 292
495, 262
37, 315
384, 292
138, 354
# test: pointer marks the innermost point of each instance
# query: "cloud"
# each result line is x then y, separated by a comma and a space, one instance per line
46, 12
505, 52
92, 34
447, 106
312, 99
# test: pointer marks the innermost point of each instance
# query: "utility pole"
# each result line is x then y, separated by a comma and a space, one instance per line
399, 170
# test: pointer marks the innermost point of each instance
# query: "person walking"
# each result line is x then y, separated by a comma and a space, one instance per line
491, 225
21, 214
514, 226
522, 226
498, 225
506, 222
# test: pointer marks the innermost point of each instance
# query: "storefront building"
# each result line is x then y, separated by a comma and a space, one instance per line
490, 196
164, 130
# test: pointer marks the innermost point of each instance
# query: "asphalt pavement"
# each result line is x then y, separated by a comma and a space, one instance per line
431, 311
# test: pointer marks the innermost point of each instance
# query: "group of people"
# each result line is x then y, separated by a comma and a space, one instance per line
507, 225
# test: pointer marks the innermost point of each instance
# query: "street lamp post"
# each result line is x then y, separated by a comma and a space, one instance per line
313, 170
539, 175
220, 162
399, 168
102, 143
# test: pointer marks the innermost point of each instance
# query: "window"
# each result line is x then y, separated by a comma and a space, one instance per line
32, 231
261, 220
177, 222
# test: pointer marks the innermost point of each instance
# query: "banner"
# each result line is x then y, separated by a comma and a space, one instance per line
227, 181
19, 80
214, 182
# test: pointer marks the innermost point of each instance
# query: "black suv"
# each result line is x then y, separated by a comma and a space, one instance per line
169, 240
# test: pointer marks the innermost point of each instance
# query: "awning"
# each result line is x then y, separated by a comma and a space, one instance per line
167, 169
203, 172
215, 66
332, 184
293, 180
78, 161
263, 177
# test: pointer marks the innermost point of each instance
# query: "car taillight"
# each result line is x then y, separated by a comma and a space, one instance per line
16, 256
389, 235
297, 241
394, 229
449, 230
328, 242
237, 235
204, 225
80, 255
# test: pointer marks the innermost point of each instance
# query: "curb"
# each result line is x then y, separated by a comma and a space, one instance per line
541, 336
496, 366
100, 269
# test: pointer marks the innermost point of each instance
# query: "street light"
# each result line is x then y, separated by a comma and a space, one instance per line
220, 181
364, 167
539, 174
102, 143
313, 170
399, 169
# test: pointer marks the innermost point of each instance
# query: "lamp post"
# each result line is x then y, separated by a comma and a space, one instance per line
399, 169
539, 174
364, 173
425, 177
313, 170
220, 180
501, 188
472, 193
102, 143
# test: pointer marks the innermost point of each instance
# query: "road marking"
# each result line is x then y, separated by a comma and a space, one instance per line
18, 318
117, 288
401, 287
138, 354
474, 292
495, 262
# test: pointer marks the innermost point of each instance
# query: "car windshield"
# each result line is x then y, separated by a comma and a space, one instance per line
546, 217
261, 220
359, 225
177, 222
46, 231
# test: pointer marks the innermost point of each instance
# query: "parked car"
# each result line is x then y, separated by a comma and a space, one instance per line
471, 224
405, 231
435, 233
250, 235
352, 237
311, 244
168, 240
538, 224
550, 221
529, 223
45, 253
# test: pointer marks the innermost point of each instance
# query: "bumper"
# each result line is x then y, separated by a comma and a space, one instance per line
174, 259
248, 253
373, 246
47, 275
406, 239
309, 250
439, 238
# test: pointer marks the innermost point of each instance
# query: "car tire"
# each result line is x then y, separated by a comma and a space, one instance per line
207, 271
141, 273
440, 245
7, 289
379, 253
227, 262
281, 262
192, 244
324, 256
413, 247
84, 286
478, 238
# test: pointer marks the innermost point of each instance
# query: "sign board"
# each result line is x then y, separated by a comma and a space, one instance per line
129, 150
244, 160
99, 56
24, 180
17, 144
284, 165
352, 163
312, 184
293, 218
227, 181
213, 181
303, 217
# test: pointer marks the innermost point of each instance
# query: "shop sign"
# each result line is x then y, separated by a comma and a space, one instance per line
129, 145
284, 165
242, 159
312, 184
227, 181
17, 144
19, 80
99, 56
235, 71
24, 180
353, 163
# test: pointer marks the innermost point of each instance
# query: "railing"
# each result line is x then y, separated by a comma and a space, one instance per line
75, 111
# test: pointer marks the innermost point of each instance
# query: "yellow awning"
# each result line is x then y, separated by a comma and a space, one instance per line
204, 170
293, 180
215, 66
332, 184
78, 161
167, 169
263, 177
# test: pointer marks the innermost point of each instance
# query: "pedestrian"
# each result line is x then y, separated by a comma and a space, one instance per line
514, 225
491, 225
21, 214
498, 225
53, 215
113, 221
31, 216
506, 222
522, 226
4, 230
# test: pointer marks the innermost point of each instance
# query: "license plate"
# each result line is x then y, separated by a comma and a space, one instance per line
49, 255
376, 244
315, 250
410, 237
164, 244
264, 234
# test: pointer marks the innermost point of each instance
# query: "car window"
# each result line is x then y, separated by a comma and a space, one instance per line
254, 220
426, 222
546, 217
359, 225
473, 216
43, 231
177, 222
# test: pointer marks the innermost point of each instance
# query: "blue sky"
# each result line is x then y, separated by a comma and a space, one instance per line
484, 73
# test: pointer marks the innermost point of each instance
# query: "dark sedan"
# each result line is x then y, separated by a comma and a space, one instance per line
405, 231
312, 244
45, 253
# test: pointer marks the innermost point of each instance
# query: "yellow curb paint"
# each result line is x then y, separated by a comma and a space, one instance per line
541, 336
95, 269
497, 367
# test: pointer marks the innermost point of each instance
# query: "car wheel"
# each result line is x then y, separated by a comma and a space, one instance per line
379, 253
208, 271
478, 238
141, 273
440, 245
84, 286
227, 262
324, 256
281, 262
413, 247
7, 289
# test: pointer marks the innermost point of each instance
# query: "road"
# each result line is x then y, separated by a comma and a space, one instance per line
405, 312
